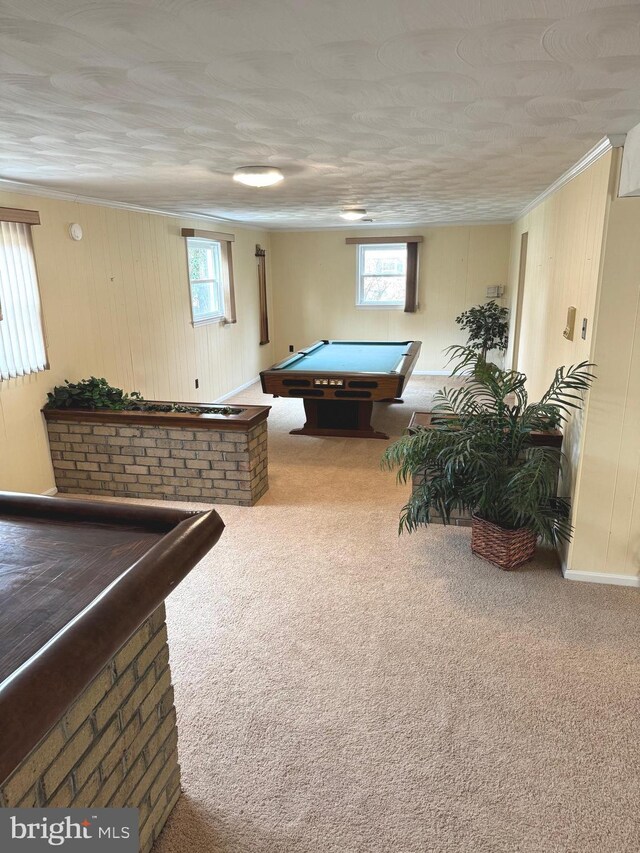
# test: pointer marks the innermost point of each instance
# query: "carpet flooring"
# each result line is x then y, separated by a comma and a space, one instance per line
343, 690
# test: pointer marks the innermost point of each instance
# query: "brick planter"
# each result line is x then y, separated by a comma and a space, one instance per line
152, 455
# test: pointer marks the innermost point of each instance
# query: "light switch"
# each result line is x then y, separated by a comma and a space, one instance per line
571, 322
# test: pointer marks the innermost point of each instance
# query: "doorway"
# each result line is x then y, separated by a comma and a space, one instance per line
522, 273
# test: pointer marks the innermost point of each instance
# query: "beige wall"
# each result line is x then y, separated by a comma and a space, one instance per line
583, 250
562, 269
116, 304
563, 266
314, 286
608, 508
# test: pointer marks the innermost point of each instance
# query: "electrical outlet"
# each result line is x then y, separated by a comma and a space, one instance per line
197, 384
290, 347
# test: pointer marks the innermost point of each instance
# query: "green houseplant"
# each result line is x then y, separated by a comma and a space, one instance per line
479, 457
487, 326
96, 393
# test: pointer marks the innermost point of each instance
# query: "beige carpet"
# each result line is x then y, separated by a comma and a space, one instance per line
341, 690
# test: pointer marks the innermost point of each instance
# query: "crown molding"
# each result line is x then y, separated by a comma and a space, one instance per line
63, 195
387, 227
599, 150
7, 185
617, 140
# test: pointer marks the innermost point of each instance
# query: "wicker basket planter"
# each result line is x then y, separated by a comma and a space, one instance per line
505, 548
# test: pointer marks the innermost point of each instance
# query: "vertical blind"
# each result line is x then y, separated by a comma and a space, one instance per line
22, 348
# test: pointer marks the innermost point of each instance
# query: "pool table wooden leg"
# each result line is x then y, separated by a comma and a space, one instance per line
345, 418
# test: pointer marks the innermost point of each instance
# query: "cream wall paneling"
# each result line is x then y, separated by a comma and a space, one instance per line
564, 243
116, 304
313, 274
608, 509
584, 251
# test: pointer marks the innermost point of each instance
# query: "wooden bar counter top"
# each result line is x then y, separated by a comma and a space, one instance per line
78, 579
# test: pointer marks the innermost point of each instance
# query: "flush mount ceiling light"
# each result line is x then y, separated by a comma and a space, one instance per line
258, 176
353, 213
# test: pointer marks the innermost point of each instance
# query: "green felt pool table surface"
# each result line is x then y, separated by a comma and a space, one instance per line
350, 357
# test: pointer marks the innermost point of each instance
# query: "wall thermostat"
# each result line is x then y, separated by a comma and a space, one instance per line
75, 231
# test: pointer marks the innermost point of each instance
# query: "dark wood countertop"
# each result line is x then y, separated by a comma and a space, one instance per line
247, 417
551, 438
77, 579
50, 570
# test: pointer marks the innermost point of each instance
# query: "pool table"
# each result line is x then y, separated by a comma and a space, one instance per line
77, 579
339, 381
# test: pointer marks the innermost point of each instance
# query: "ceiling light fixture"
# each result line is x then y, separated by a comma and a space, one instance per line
258, 176
353, 213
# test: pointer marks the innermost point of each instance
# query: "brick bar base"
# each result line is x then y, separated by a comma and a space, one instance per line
209, 465
116, 745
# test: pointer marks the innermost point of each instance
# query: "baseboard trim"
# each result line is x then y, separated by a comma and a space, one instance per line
50, 492
602, 577
237, 390
432, 373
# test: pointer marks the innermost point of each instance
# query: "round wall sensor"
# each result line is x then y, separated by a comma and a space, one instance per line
75, 231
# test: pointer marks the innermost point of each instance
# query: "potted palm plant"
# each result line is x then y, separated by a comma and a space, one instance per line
478, 456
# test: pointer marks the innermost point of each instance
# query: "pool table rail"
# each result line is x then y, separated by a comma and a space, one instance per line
282, 381
339, 402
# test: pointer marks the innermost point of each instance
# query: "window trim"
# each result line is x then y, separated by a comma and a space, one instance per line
14, 214
207, 318
228, 317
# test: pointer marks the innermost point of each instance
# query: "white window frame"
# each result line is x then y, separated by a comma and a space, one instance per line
23, 348
217, 280
225, 241
360, 301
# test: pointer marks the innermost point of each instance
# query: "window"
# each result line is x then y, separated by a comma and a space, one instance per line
210, 276
205, 276
382, 274
22, 346
387, 272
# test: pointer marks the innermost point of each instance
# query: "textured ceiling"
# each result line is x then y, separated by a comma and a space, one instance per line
419, 110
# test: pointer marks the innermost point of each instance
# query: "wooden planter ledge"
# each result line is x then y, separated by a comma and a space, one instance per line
249, 416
